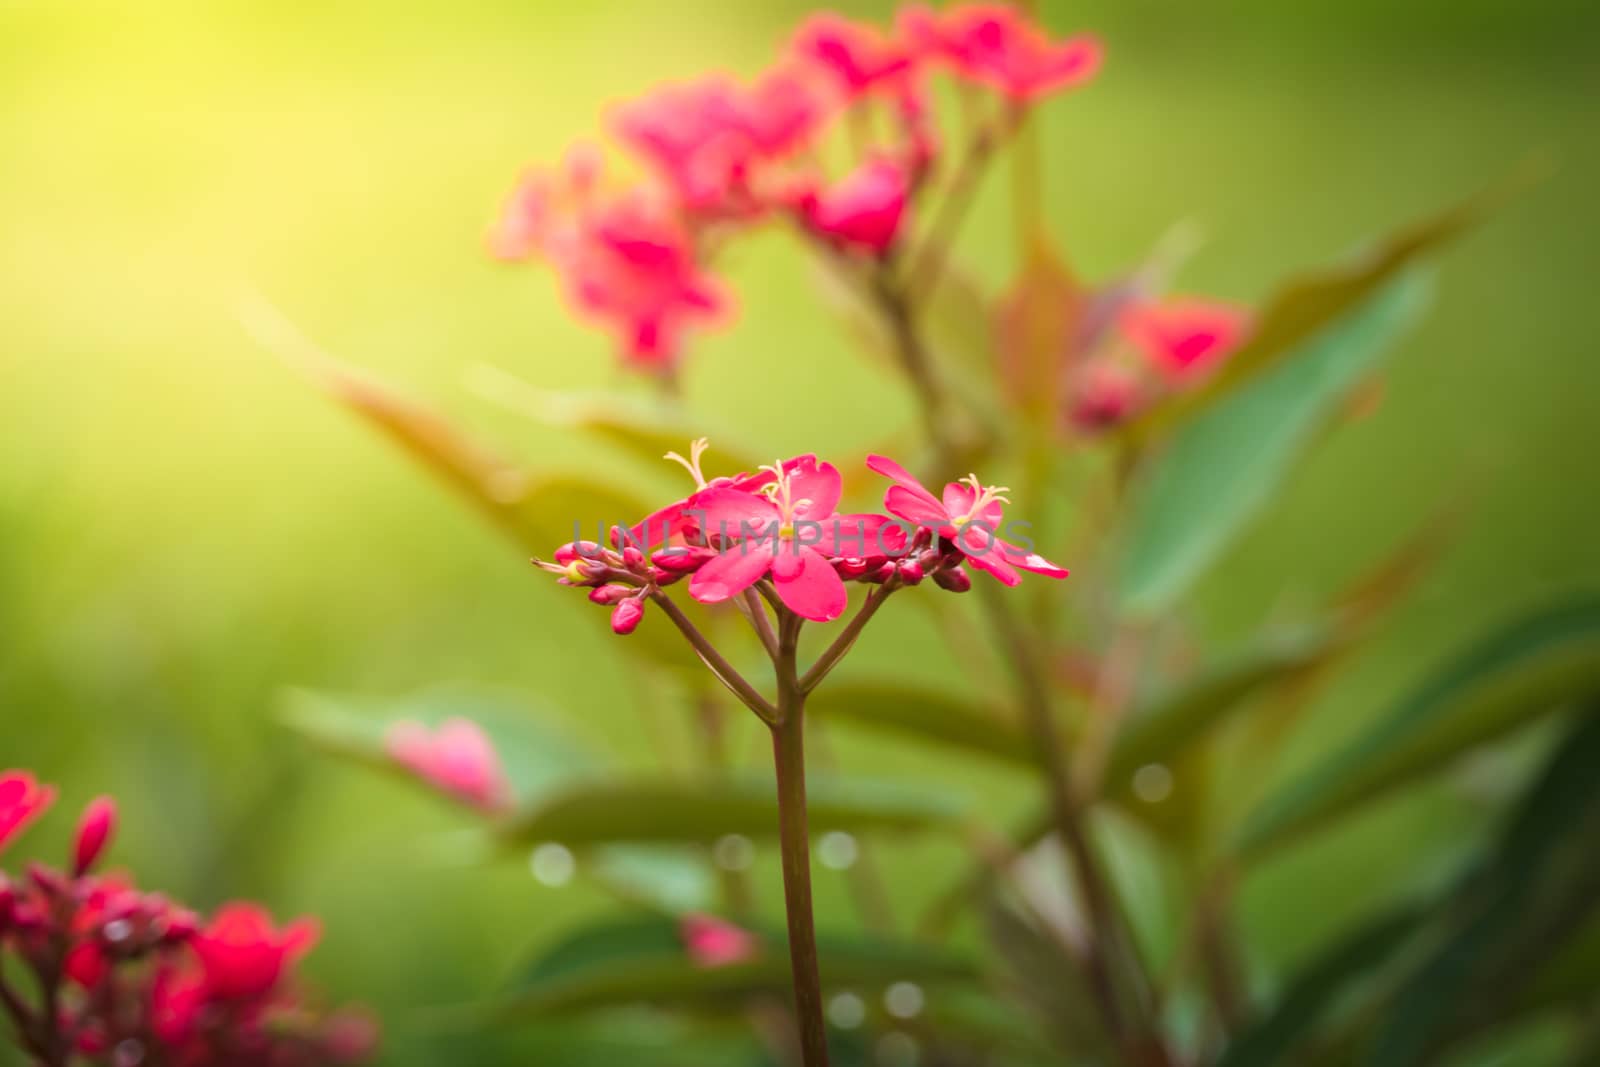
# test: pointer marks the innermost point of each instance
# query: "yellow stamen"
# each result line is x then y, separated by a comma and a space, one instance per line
697, 448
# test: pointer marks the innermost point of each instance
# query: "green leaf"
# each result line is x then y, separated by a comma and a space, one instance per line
1222, 469
536, 755
1163, 730
935, 715
698, 812
1513, 676
1307, 304
646, 427
1270, 1040
1045, 979
1541, 885
644, 961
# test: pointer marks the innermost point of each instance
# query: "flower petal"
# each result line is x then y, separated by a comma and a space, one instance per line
914, 507
863, 536
816, 592
995, 564
731, 514
1025, 560
817, 483
900, 476
730, 573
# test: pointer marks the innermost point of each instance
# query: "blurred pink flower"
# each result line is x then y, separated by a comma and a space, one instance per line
708, 139
999, 46
1105, 394
1185, 338
968, 516
856, 56
864, 210
243, 955
458, 758
22, 800
711, 942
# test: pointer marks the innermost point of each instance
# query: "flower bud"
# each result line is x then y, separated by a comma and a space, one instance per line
910, 572
851, 568
955, 579
626, 615
609, 594
50, 882
632, 558
682, 560
575, 550
94, 832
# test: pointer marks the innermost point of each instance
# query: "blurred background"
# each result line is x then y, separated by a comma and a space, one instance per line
188, 531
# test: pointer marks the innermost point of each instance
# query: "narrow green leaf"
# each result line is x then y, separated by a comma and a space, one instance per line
698, 812
646, 427
1515, 675
1047, 981
1305, 305
1541, 885
1164, 729
1271, 1040
644, 961
1222, 469
935, 715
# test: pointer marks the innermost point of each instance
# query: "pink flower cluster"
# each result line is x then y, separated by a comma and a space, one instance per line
722, 155
782, 525
125, 976
1146, 349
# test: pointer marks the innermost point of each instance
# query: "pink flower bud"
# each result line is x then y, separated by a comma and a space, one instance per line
94, 832
626, 615
50, 882
632, 558
910, 572
852, 568
955, 579
609, 594
682, 560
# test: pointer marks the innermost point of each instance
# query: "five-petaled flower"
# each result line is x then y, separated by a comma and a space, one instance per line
968, 516
789, 529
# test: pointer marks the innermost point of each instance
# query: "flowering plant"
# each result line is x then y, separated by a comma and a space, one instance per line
1144, 432
114, 975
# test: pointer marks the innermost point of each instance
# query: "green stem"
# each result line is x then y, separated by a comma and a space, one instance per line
789, 760
724, 671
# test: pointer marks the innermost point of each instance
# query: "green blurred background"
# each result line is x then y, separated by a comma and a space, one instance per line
187, 529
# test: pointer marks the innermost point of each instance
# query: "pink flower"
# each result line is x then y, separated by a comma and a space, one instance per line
711, 942
998, 45
458, 759
863, 210
1104, 395
94, 831
1185, 338
968, 516
790, 530
855, 55
707, 139
22, 800
242, 955
635, 269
